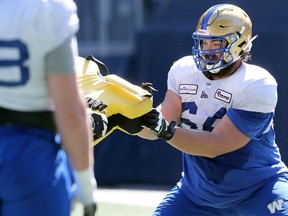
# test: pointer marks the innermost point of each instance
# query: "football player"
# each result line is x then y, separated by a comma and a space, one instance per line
40, 100
220, 111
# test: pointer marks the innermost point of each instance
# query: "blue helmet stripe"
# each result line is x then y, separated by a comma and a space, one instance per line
208, 15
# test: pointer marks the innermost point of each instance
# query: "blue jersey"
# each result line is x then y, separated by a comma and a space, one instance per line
249, 98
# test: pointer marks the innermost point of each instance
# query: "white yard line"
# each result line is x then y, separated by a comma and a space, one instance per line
148, 198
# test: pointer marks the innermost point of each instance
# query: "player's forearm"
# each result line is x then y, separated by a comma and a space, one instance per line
71, 119
207, 144
75, 130
198, 143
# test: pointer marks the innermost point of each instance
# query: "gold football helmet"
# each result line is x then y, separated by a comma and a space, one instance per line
230, 25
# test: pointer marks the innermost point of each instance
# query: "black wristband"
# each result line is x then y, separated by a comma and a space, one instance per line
90, 210
169, 133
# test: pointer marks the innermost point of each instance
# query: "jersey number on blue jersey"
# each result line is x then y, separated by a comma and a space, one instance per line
208, 124
18, 61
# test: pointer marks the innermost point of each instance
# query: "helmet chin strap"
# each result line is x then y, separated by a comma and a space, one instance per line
213, 71
217, 70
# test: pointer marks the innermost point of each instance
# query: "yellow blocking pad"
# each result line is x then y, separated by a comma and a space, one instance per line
118, 94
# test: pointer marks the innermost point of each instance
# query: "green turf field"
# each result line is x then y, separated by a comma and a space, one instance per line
111, 209
126, 200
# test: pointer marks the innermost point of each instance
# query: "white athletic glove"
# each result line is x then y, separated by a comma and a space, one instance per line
85, 190
156, 122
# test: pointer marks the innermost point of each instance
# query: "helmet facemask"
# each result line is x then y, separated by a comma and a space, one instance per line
207, 59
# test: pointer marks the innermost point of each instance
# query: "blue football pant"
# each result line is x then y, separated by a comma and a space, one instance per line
270, 200
34, 173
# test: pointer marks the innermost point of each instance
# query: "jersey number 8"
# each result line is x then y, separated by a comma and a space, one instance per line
6, 63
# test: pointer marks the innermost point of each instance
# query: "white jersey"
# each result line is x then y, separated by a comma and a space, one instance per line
248, 97
250, 88
28, 32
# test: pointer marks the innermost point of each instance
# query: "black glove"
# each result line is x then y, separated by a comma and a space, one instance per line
99, 124
131, 126
90, 210
95, 104
98, 119
155, 121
